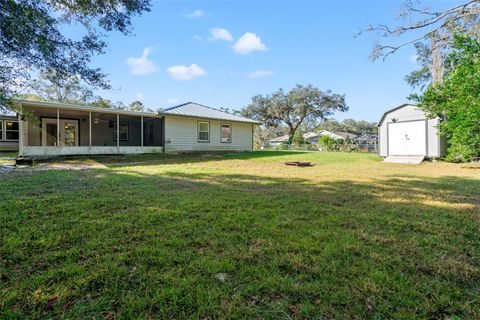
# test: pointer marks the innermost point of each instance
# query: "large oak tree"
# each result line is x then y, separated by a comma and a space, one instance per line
292, 108
31, 38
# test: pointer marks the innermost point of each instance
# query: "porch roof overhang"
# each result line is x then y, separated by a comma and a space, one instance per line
74, 107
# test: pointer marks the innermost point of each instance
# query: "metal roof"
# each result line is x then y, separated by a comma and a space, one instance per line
393, 109
345, 134
279, 139
311, 135
67, 106
192, 109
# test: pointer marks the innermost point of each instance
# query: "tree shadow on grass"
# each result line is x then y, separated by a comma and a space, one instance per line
181, 158
148, 245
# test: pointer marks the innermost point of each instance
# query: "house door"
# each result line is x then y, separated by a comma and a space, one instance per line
407, 139
68, 133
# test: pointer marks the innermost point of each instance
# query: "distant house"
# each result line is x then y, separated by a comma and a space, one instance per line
367, 142
367, 138
312, 137
278, 141
338, 134
53, 129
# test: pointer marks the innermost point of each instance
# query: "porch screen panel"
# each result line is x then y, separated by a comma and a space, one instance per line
152, 132
103, 129
129, 131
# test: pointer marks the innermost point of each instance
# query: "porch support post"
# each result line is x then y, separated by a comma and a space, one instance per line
141, 131
90, 128
58, 127
118, 132
21, 127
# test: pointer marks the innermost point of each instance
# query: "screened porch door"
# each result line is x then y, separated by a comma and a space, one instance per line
68, 133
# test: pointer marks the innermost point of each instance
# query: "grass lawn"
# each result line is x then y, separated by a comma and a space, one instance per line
241, 236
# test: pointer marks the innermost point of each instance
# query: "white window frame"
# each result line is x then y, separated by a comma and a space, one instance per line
2, 130
221, 133
5, 130
198, 131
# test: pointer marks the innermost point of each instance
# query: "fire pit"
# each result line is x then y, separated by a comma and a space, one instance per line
299, 164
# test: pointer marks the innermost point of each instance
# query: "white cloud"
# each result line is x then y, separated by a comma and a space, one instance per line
182, 72
196, 14
220, 34
259, 74
139, 97
142, 65
197, 38
172, 101
413, 58
249, 42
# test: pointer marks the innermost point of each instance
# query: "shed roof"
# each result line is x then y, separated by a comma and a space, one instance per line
192, 109
391, 110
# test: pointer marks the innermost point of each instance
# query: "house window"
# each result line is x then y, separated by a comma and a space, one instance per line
203, 131
226, 133
122, 132
12, 132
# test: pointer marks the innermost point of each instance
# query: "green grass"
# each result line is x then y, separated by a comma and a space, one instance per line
150, 236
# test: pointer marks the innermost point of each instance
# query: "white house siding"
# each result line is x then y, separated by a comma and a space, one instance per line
181, 135
8, 145
411, 113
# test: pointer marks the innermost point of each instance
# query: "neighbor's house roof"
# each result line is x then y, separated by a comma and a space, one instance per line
311, 135
192, 109
76, 107
367, 136
279, 139
345, 135
337, 134
314, 135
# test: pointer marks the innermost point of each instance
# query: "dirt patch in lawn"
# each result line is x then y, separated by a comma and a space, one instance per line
68, 166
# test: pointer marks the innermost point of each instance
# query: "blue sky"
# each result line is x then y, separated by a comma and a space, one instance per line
174, 56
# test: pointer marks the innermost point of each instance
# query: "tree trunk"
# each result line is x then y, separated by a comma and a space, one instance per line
291, 133
438, 67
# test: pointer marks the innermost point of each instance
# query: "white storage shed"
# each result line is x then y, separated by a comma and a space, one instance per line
407, 131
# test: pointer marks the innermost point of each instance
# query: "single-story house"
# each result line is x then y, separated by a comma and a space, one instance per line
278, 140
367, 138
339, 135
407, 131
9, 132
312, 137
367, 142
53, 129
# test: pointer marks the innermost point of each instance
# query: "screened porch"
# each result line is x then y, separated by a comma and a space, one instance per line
49, 129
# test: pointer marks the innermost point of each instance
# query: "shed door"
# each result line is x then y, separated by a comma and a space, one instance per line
407, 139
